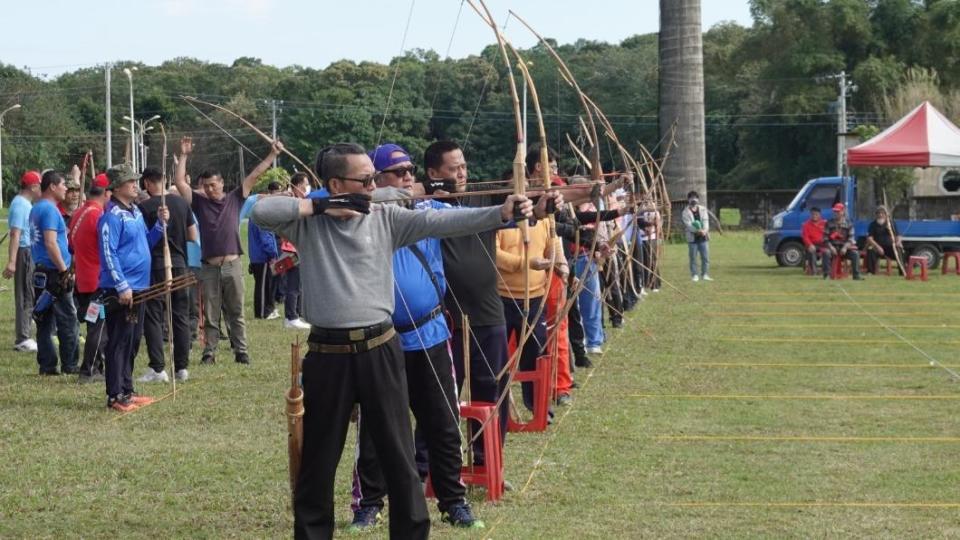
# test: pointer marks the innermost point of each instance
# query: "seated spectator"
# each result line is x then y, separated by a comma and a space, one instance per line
882, 239
840, 240
812, 236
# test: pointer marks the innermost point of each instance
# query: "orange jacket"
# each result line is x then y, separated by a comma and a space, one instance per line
510, 259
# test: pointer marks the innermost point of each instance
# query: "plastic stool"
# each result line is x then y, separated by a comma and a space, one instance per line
837, 267
948, 256
542, 388
490, 474
917, 261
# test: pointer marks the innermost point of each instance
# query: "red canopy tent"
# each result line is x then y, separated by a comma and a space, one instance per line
923, 138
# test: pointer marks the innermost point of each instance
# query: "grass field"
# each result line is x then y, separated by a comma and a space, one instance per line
764, 404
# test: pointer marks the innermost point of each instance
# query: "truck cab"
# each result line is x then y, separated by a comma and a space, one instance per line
927, 238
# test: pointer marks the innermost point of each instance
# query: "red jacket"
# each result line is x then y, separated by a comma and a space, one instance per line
812, 233
82, 236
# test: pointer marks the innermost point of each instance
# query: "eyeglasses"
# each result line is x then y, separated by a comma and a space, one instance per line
403, 171
366, 181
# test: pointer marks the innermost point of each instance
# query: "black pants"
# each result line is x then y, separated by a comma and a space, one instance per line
533, 348
94, 350
291, 294
575, 330
488, 356
193, 301
155, 321
124, 330
611, 285
264, 290
332, 383
873, 258
433, 400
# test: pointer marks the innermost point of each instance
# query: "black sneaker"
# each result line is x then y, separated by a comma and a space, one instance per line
51, 373
582, 361
460, 515
242, 358
208, 359
616, 323
71, 371
365, 519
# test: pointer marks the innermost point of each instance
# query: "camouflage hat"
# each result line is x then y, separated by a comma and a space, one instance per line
121, 174
72, 184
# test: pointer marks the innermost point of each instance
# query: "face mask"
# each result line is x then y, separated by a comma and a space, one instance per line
306, 189
882, 221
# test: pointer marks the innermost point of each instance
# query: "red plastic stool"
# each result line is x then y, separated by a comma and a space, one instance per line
542, 388
917, 261
490, 474
948, 256
837, 267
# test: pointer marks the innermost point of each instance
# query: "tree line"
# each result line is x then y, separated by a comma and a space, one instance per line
770, 96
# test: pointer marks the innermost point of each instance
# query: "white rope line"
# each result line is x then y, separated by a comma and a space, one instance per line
933, 361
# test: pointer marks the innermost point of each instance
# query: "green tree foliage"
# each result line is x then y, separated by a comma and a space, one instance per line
770, 104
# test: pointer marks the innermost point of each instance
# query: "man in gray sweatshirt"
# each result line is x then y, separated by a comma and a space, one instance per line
346, 248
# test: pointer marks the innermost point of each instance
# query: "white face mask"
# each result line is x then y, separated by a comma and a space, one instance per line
306, 188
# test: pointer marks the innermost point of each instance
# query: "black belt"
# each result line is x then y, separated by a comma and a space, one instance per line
436, 312
348, 335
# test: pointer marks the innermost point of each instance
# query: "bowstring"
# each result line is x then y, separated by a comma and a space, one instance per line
396, 73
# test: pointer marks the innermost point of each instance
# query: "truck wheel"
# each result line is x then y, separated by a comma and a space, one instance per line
930, 252
790, 253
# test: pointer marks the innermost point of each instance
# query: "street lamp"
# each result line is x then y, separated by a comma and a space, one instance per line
140, 140
8, 109
133, 142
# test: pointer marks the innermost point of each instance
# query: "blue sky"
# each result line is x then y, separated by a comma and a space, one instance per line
53, 36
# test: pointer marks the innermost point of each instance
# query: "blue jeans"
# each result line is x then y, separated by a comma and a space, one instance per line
704, 249
63, 315
591, 307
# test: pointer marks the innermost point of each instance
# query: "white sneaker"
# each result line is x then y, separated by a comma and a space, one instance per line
696, 279
27, 345
594, 350
655, 290
706, 277
643, 292
273, 315
296, 324
154, 376
182, 375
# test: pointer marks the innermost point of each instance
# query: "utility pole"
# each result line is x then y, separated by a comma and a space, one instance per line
841, 122
273, 107
106, 76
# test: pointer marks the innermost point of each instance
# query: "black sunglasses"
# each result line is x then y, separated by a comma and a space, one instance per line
402, 171
366, 181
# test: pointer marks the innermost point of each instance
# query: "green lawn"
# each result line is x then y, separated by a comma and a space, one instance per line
764, 404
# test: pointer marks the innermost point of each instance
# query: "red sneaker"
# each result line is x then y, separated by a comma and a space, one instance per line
121, 404
140, 401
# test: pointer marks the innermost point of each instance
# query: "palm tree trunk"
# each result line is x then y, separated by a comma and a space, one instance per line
681, 97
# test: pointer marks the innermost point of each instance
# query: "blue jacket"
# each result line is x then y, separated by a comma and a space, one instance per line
261, 244
414, 294
125, 246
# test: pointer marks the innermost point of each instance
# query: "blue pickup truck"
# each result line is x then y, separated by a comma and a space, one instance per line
782, 239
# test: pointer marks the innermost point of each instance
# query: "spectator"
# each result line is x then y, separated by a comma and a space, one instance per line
84, 243
697, 224
882, 240
19, 260
262, 246
840, 241
125, 245
180, 230
218, 214
812, 235
300, 186
51, 258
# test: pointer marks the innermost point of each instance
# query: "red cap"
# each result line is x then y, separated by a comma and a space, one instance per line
839, 207
30, 178
101, 181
